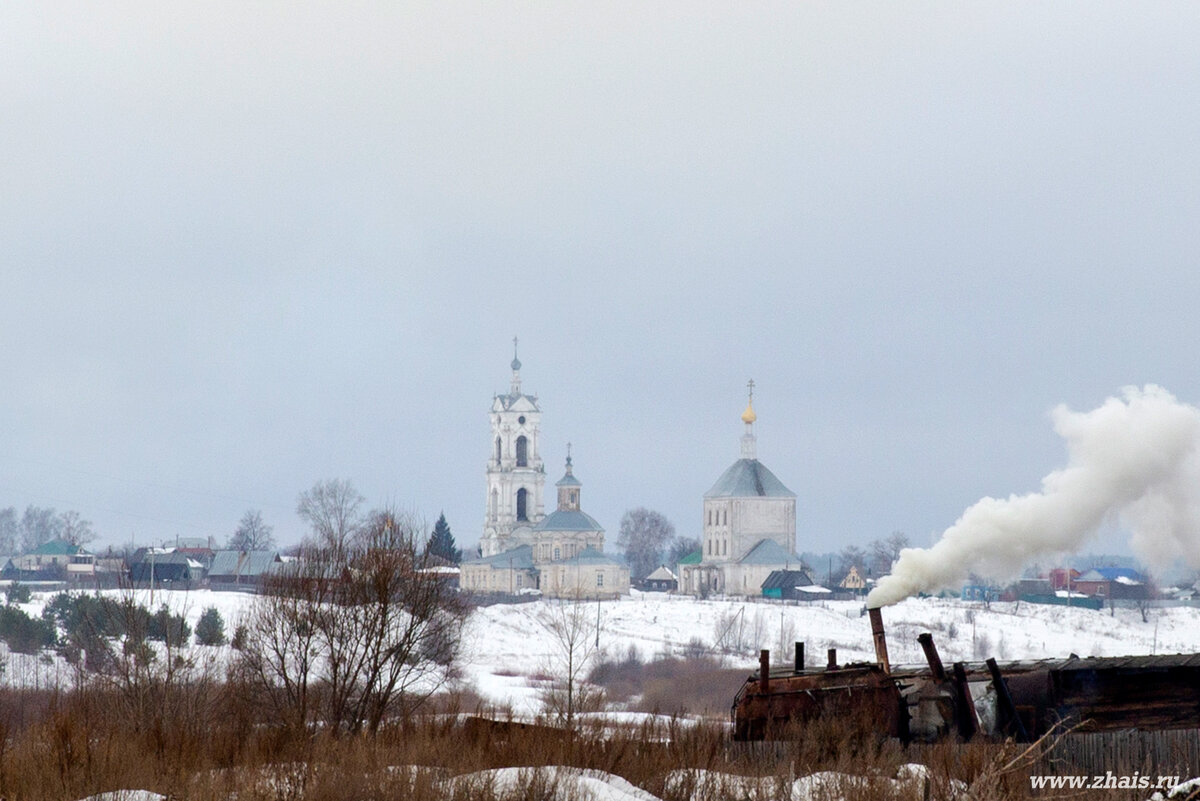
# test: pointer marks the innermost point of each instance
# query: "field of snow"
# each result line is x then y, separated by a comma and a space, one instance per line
506, 647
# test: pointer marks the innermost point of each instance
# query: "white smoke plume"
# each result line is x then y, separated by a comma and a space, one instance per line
1135, 460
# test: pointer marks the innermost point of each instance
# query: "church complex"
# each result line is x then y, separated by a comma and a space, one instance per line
522, 548
749, 524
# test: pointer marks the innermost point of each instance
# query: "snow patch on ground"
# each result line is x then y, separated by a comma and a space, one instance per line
552, 782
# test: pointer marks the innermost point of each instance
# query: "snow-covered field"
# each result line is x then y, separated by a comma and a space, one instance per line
506, 647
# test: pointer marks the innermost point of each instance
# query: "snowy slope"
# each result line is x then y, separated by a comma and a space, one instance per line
505, 648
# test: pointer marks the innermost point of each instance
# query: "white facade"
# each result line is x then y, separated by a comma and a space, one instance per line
560, 554
749, 526
516, 476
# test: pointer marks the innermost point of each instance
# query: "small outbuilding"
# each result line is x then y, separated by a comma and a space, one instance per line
789, 585
661, 580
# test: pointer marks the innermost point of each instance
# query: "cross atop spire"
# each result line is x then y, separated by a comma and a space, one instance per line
516, 368
748, 417
568, 454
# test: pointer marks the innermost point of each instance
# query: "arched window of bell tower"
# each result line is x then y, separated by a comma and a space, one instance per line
498, 450
521, 502
522, 449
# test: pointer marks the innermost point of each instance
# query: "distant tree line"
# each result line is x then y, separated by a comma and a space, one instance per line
23, 532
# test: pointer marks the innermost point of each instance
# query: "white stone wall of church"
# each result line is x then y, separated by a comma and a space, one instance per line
757, 519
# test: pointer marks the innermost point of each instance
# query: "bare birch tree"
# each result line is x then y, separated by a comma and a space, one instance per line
574, 625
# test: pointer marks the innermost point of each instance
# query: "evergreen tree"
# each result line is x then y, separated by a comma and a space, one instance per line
211, 628
441, 542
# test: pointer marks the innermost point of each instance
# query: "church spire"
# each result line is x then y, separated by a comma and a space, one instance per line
516, 368
568, 488
749, 449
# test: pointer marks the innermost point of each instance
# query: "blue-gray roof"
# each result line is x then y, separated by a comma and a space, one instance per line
519, 558
568, 520
568, 480
770, 552
509, 400
748, 478
590, 556
242, 563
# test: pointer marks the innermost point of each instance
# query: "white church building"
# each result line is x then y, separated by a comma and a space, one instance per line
749, 526
522, 548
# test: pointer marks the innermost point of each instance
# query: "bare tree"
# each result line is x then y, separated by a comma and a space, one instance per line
643, 538
681, 547
352, 633
74, 529
884, 552
39, 525
10, 530
331, 509
848, 557
573, 625
252, 534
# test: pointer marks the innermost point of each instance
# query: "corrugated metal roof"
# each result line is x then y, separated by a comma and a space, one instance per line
787, 578
242, 563
1071, 663
56, 548
748, 478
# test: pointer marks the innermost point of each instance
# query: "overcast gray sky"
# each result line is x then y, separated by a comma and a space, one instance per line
246, 247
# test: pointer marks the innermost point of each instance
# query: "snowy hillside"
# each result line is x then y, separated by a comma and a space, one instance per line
506, 647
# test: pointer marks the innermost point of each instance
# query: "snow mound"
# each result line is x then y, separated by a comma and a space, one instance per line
911, 781
1183, 791
555, 782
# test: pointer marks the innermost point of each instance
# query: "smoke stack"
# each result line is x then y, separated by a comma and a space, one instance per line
832, 664
799, 657
881, 654
764, 670
932, 657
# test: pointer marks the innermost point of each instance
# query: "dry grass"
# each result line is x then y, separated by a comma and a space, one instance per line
73, 744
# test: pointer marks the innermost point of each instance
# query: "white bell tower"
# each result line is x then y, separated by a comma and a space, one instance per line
515, 473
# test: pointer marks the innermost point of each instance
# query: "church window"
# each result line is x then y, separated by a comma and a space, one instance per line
522, 451
556, 553
497, 450
522, 497
599, 579
709, 547
519, 578
724, 547
521, 419
710, 517
725, 515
